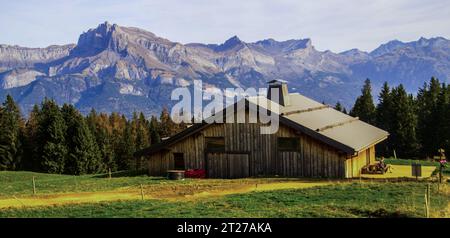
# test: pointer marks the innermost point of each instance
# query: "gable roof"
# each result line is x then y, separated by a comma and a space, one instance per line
328, 122
305, 115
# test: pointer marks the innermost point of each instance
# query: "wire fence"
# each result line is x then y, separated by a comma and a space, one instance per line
69, 177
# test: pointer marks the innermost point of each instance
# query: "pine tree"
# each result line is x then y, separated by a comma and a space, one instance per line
30, 159
134, 123
428, 116
91, 120
364, 107
52, 149
142, 138
99, 127
83, 154
125, 153
167, 126
384, 118
441, 115
338, 107
142, 133
154, 131
117, 128
384, 108
11, 125
404, 122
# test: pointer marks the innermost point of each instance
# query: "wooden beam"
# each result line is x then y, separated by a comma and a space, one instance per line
337, 124
305, 110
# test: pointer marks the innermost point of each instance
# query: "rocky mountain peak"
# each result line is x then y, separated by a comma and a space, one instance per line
231, 43
388, 47
353, 52
96, 40
300, 44
433, 42
274, 46
423, 45
268, 42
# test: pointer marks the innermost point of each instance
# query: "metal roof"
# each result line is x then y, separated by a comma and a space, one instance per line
327, 121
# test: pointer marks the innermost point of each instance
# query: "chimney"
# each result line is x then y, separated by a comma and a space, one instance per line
282, 88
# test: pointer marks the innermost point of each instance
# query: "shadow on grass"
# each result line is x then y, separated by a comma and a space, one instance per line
379, 213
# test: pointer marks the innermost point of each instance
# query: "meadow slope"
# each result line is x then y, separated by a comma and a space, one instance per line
98, 196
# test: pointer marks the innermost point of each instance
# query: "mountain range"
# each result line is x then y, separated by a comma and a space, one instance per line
127, 69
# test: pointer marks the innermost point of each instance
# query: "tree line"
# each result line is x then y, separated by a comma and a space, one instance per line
61, 140
418, 125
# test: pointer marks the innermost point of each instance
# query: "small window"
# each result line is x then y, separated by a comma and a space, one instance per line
178, 159
215, 144
288, 144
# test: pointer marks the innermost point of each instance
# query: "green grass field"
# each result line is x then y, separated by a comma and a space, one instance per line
347, 200
340, 199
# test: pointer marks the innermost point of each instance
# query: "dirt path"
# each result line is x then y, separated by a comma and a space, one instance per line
176, 193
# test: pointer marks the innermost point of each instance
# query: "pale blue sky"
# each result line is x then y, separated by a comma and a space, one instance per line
336, 25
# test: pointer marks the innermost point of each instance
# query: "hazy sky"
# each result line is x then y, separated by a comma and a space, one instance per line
335, 25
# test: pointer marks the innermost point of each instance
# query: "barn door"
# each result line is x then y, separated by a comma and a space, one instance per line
226, 165
238, 166
216, 165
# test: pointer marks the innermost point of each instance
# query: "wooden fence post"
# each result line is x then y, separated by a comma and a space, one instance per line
34, 186
427, 209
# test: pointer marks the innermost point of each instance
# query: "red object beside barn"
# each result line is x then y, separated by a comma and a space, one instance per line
195, 173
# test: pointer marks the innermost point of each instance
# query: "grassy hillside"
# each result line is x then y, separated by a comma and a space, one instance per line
340, 200
219, 198
333, 199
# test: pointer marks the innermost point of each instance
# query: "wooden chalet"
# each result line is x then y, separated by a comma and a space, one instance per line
313, 140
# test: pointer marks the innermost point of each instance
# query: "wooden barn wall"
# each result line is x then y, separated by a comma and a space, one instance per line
313, 158
354, 164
